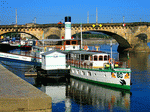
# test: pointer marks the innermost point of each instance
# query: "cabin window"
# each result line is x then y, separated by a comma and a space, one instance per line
95, 58
82, 57
74, 42
105, 58
67, 42
86, 57
100, 58
108, 57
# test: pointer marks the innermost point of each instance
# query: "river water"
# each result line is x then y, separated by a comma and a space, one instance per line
79, 96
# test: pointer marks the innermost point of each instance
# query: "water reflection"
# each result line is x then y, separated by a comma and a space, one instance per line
140, 60
137, 60
99, 97
79, 96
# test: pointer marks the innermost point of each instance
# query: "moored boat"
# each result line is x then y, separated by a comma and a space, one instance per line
99, 68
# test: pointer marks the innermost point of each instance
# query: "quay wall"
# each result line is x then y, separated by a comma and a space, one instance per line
17, 95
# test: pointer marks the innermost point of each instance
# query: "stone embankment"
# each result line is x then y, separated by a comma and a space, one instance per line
17, 95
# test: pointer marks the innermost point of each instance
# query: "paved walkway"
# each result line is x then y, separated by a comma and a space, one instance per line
17, 95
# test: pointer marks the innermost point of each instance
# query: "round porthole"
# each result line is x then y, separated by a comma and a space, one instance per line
72, 70
89, 74
82, 73
104, 75
77, 71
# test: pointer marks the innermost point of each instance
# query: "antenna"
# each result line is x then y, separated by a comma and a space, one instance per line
88, 17
16, 16
35, 20
96, 16
111, 20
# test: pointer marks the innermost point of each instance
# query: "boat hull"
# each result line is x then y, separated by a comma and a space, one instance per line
101, 77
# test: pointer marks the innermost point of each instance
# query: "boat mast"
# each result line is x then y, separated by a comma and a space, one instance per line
81, 35
111, 50
16, 16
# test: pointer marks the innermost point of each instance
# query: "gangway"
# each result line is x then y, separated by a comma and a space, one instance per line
19, 58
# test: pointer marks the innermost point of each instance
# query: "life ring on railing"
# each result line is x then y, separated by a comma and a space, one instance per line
110, 60
85, 47
62, 48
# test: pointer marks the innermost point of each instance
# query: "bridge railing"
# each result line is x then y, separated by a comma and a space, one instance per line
73, 25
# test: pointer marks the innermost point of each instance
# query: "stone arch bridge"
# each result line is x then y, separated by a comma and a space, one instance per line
127, 36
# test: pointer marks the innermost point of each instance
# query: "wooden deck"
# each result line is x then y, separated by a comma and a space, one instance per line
20, 96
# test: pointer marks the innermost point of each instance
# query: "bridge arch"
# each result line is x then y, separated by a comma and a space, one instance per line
32, 36
52, 33
123, 43
121, 40
53, 36
141, 36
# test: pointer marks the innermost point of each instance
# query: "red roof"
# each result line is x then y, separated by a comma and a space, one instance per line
59, 22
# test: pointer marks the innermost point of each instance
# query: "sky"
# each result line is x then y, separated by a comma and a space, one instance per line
53, 11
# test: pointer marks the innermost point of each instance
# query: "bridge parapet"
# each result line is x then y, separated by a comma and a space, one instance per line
76, 25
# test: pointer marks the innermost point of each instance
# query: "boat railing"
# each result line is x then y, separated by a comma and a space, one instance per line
89, 65
121, 64
52, 47
80, 64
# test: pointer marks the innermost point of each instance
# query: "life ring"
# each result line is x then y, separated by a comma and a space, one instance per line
126, 76
110, 60
85, 47
62, 48
113, 75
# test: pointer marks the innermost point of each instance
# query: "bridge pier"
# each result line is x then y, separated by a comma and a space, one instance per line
138, 47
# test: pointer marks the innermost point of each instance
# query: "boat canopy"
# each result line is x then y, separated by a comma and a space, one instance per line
55, 40
87, 53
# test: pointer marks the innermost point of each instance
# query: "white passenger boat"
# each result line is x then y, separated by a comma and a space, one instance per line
99, 68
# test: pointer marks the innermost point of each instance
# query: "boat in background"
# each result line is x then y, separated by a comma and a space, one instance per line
47, 45
27, 44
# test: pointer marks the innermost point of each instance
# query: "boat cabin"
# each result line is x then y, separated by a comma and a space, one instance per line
53, 60
88, 59
99, 60
60, 44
